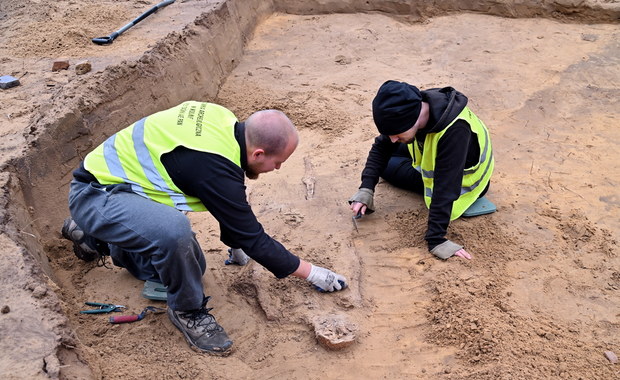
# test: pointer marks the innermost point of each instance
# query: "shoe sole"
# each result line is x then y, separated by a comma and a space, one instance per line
192, 345
64, 231
79, 252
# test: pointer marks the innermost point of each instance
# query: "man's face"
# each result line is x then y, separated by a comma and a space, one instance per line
408, 136
259, 162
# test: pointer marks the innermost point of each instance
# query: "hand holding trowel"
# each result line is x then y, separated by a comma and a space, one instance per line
361, 204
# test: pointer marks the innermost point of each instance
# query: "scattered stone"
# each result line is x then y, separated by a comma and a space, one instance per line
611, 356
39, 292
60, 65
5, 309
589, 37
52, 366
341, 59
83, 67
345, 303
334, 332
7, 81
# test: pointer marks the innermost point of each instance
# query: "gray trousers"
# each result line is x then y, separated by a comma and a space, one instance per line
151, 240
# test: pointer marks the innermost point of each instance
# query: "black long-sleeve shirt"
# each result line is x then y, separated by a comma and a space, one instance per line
220, 186
455, 151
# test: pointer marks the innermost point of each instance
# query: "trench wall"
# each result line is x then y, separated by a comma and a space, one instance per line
191, 64
573, 10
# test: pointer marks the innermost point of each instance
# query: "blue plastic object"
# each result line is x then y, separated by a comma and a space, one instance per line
7, 81
154, 291
481, 206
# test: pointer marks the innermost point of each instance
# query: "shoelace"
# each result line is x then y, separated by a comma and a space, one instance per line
102, 261
102, 252
201, 317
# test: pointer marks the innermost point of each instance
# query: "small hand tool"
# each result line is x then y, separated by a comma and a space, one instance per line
319, 289
102, 308
138, 317
355, 218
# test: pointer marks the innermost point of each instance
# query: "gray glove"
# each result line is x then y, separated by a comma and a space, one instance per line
364, 196
237, 256
324, 280
446, 249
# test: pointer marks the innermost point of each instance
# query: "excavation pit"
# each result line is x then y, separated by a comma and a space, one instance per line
551, 246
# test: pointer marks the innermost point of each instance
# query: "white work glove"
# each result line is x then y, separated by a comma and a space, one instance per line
324, 280
236, 256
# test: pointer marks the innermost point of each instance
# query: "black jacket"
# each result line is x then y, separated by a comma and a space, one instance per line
220, 186
456, 150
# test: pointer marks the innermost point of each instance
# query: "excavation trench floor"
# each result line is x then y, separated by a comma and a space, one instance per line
540, 298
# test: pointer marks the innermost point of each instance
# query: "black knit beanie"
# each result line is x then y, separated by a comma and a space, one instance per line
396, 107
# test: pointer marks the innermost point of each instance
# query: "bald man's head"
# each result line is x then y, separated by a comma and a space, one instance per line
270, 130
270, 139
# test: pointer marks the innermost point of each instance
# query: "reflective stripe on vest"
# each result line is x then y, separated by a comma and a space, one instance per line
133, 155
475, 178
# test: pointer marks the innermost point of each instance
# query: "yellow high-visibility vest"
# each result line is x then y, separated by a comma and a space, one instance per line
475, 178
133, 155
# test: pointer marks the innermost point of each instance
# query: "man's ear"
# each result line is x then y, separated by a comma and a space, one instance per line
257, 154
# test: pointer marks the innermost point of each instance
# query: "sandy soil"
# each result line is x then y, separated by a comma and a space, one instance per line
539, 300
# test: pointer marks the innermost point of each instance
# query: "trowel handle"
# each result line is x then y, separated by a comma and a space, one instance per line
125, 318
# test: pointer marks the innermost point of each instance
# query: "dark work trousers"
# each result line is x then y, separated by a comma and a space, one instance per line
151, 240
400, 172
